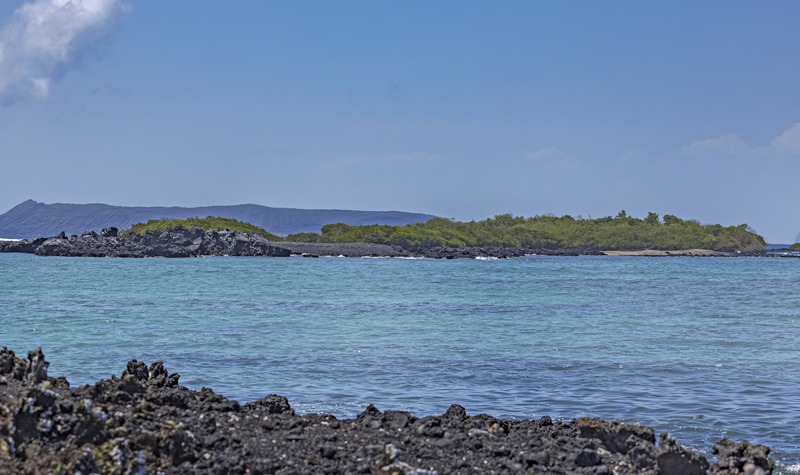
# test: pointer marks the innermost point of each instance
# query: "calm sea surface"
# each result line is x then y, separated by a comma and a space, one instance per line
698, 347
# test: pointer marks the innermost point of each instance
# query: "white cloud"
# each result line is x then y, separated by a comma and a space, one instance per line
44, 39
551, 157
545, 153
410, 157
400, 157
728, 144
788, 143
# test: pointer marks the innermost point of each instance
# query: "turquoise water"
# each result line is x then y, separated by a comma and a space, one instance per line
698, 347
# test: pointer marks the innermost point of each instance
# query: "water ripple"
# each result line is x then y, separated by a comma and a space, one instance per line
702, 348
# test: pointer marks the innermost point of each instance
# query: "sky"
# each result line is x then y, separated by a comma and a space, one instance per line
458, 109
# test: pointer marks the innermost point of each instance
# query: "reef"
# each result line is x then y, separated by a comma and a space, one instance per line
146, 422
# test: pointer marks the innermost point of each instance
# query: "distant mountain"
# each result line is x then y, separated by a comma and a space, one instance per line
33, 219
797, 238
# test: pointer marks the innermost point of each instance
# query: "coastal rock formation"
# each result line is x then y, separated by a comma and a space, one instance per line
359, 249
346, 249
452, 252
196, 242
27, 246
173, 243
146, 422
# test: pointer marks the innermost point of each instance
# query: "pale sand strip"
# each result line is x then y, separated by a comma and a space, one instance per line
679, 252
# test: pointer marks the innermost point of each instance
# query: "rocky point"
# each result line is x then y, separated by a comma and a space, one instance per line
145, 422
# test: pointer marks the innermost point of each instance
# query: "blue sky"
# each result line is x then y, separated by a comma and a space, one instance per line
459, 109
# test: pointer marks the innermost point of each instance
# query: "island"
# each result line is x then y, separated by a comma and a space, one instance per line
503, 236
618, 233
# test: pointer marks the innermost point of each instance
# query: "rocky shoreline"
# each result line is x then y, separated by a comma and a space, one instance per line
358, 249
175, 243
146, 422
196, 242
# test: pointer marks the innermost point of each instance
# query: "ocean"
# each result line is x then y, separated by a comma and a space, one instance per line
698, 347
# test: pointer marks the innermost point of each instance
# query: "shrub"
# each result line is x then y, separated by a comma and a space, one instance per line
622, 232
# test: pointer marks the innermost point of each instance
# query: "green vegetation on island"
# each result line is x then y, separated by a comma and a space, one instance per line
621, 232
795, 246
206, 224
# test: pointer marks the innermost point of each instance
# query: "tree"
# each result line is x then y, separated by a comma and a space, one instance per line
652, 219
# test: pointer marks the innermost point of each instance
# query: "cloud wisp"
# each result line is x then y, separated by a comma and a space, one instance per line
44, 39
551, 157
545, 153
788, 143
400, 157
728, 143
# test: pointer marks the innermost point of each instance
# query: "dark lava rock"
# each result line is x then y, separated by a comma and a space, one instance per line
675, 459
742, 458
195, 242
619, 438
109, 232
346, 249
145, 422
173, 243
453, 252
360, 249
27, 246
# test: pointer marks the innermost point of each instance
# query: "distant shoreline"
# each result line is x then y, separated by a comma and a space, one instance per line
672, 253
196, 243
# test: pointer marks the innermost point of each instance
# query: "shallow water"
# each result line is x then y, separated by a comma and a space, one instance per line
698, 347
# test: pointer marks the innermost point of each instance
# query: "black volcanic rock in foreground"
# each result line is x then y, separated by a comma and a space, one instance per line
145, 422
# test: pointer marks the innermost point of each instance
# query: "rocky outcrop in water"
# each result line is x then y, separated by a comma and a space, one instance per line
196, 242
27, 246
173, 243
346, 249
146, 422
358, 249
453, 252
